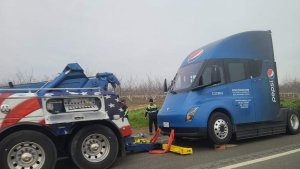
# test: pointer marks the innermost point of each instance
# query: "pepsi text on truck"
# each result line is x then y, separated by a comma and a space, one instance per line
72, 115
228, 88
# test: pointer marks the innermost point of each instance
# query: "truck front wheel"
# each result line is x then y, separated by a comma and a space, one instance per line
293, 122
219, 128
94, 147
27, 149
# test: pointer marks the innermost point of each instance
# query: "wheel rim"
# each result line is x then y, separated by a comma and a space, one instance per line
95, 148
294, 122
221, 129
26, 155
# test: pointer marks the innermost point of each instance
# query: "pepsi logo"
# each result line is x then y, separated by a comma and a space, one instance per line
271, 76
270, 73
195, 54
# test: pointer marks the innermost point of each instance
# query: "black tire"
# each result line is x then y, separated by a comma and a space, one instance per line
41, 149
98, 136
219, 128
293, 122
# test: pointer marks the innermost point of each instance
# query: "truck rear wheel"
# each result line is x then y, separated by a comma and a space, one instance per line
219, 128
94, 147
27, 149
293, 122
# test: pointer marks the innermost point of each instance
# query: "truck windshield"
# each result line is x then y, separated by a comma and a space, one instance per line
186, 76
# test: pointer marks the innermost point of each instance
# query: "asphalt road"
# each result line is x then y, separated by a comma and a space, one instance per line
204, 156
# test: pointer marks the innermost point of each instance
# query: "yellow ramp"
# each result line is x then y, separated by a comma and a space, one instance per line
179, 150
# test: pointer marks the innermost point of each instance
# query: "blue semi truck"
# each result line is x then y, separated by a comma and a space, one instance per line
228, 88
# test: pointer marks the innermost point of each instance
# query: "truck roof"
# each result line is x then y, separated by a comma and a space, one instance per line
246, 45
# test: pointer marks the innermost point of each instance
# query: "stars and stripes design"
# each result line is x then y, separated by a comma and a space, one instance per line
27, 107
113, 106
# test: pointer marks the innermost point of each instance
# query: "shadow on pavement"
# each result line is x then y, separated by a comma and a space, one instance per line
65, 163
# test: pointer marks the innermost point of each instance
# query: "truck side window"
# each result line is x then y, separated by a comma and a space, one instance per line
255, 68
206, 77
237, 71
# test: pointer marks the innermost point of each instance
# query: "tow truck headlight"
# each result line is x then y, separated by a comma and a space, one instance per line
50, 106
190, 115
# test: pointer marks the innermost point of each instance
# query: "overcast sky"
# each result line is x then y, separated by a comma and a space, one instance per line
135, 38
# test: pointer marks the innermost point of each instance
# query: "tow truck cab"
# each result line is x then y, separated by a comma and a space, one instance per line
228, 86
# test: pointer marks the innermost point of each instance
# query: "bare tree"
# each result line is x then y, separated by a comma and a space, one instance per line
148, 86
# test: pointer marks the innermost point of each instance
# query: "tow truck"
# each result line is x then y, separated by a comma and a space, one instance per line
72, 115
228, 88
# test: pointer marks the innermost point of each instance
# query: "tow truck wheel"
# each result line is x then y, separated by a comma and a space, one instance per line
27, 149
219, 128
293, 122
94, 147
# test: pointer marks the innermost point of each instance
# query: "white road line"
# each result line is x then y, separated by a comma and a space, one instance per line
260, 159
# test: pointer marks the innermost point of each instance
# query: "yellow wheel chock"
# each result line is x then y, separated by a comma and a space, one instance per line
179, 149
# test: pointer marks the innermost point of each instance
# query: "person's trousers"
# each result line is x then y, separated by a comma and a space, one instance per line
152, 120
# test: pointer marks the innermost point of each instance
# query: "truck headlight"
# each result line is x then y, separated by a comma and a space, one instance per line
190, 115
50, 107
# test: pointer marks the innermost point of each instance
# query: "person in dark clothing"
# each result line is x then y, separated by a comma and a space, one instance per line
151, 112
125, 108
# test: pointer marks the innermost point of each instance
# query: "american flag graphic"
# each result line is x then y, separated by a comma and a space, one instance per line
27, 107
113, 106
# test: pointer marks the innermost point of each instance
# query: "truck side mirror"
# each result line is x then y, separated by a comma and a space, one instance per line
165, 86
215, 75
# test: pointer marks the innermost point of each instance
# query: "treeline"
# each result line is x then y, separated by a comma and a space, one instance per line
290, 87
149, 86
